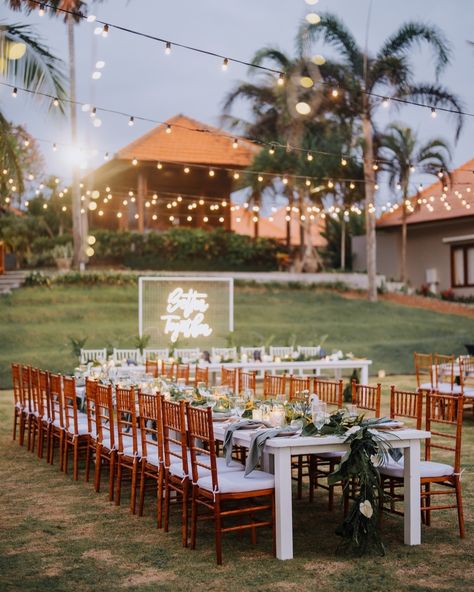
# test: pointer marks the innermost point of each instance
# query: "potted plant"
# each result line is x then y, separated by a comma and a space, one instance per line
62, 255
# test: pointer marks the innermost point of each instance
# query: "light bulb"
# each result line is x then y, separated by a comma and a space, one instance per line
55, 147
96, 75
335, 92
168, 48
186, 170
434, 114
343, 162
168, 129
134, 162
309, 157
105, 31
14, 92
211, 173
41, 10
271, 150
91, 18
131, 121
385, 102
56, 102
281, 79
225, 64
260, 178
235, 143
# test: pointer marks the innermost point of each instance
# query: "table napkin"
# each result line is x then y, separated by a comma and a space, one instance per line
244, 424
258, 442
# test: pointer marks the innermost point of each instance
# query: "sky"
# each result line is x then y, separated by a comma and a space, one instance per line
138, 78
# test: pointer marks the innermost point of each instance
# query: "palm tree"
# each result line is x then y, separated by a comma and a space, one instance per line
359, 81
37, 70
402, 154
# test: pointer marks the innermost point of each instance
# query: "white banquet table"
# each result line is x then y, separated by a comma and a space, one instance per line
282, 449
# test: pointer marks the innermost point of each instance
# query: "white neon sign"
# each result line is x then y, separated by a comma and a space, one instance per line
185, 314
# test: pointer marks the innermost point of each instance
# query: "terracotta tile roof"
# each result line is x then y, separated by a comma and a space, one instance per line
274, 226
461, 190
186, 146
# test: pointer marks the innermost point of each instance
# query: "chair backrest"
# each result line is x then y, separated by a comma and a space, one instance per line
330, 391
43, 380
367, 397
228, 353
190, 354
407, 404
104, 413
168, 370
123, 355
91, 355
26, 386
201, 443
309, 350
228, 377
156, 354
444, 414
174, 427
70, 404
126, 414
36, 403
444, 370
182, 372
273, 385
423, 368
16, 381
151, 367
151, 426
201, 375
281, 351
466, 372
247, 381
90, 401
253, 353
56, 399
298, 386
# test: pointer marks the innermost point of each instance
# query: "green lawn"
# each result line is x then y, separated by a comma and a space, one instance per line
58, 535
35, 324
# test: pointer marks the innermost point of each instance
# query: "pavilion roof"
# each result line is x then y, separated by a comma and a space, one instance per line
184, 145
461, 190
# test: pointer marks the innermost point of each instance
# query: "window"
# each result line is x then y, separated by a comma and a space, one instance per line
462, 266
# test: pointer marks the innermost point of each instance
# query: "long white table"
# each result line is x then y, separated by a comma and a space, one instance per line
282, 449
310, 366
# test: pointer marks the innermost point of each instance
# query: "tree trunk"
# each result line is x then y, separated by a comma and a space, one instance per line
403, 254
79, 221
369, 178
343, 243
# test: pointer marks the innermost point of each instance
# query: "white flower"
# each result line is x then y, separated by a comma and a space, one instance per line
366, 509
352, 430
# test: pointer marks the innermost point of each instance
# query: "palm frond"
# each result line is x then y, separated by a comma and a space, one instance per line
38, 69
271, 54
333, 32
413, 33
389, 70
9, 156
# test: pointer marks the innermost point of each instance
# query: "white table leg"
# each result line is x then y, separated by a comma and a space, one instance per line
283, 501
411, 475
364, 375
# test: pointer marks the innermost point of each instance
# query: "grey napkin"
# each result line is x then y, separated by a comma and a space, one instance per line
256, 446
244, 424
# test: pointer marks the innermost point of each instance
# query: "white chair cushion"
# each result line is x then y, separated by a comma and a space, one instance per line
176, 468
82, 430
236, 482
426, 385
427, 469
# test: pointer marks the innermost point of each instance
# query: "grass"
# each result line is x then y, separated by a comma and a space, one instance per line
58, 535
36, 323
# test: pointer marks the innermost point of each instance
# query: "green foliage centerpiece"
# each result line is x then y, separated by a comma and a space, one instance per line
360, 529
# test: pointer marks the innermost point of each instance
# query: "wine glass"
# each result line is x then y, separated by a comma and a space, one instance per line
240, 405
352, 410
319, 413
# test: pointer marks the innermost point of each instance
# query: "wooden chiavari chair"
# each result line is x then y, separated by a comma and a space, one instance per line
215, 489
129, 447
27, 402
106, 436
247, 381
168, 370
90, 402
367, 397
201, 375
424, 370
41, 419
151, 367
152, 465
444, 420
444, 373
299, 386
76, 433
56, 435
36, 421
329, 391
273, 385
229, 377
47, 419
176, 462
466, 380
19, 416
182, 372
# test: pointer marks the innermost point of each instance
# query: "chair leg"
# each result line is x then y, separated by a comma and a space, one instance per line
184, 514
76, 459
218, 529
88, 461
61, 449
118, 488
428, 504
460, 508
98, 467
194, 516
133, 496
159, 498
15, 422
112, 463
141, 499
28, 436
22, 419
40, 439
167, 504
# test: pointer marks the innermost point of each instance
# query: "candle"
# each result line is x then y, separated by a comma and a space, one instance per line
277, 417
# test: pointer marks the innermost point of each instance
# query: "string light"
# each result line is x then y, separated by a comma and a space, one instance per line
281, 79
343, 162
186, 170
386, 102
309, 157
235, 143
41, 10
271, 150
105, 30
168, 129
131, 121
434, 114
55, 147
260, 178
56, 102
335, 93
159, 166
14, 92
225, 64
134, 162
168, 48
211, 173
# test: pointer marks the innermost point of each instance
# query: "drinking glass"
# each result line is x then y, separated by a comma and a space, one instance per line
352, 410
320, 413
239, 405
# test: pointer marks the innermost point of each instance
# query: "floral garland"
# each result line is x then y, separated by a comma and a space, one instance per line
360, 529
